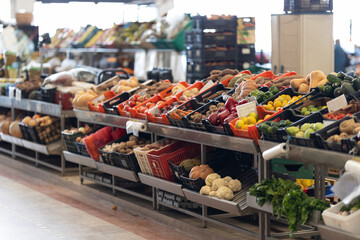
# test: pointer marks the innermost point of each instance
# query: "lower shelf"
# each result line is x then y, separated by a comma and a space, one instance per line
54, 148
162, 184
330, 233
89, 162
251, 202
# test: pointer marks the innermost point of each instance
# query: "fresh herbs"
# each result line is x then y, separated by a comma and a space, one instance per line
287, 200
350, 209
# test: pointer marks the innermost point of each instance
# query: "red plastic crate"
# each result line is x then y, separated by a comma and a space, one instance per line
175, 152
226, 82
252, 131
64, 99
163, 118
135, 113
99, 107
265, 74
167, 92
198, 85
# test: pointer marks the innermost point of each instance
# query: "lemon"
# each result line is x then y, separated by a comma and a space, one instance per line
254, 115
267, 107
287, 97
284, 103
270, 103
239, 124
324, 107
272, 109
244, 127
251, 120
244, 119
277, 109
267, 116
259, 121
277, 104
281, 99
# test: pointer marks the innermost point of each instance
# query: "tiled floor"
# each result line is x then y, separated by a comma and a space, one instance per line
27, 214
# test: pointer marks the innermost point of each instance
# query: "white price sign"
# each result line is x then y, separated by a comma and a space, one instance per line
244, 109
337, 103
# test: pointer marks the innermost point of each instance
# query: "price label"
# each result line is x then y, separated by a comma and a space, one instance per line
327, 123
208, 85
17, 94
244, 109
337, 103
154, 110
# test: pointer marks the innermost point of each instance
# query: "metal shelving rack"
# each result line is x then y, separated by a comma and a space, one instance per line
51, 149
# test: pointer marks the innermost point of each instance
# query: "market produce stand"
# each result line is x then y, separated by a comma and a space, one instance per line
50, 149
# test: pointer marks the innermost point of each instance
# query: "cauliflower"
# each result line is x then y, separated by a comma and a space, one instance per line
212, 194
217, 183
205, 190
225, 193
227, 179
234, 185
210, 178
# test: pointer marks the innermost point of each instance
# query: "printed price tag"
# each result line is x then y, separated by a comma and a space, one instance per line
154, 110
244, 109
17, 94
208, 85
327, 123
245, 51
252, 99
337, 103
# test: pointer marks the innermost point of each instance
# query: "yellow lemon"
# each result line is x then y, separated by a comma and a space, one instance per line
259, 121
272, 109
324, 107
251, 120
281, 98
239, 124
244, 119
254, 115
244, 127
277, 104
277, 109
287, 97
267, 116
271, 103
284, 103
290, 102
267, 107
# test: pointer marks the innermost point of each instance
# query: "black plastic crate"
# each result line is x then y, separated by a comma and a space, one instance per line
301, 6
204, 68
202, 110
192, 104
346, 145
211, 53
189, 37
204, 96
246, 52
42, 134
192, 78
110, 106
70, 139
216, 38
280, 135
312, 141
202, 22
177, 171
48, 94
82, 149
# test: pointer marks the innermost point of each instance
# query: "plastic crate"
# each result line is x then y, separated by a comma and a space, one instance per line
64, 99
193, 104
109, 157
226, 82
317, 100
246, 52
81, 148
93, 104
292, 168
204, 96
25, 132
203, 69
280, 135
70, 139
202, 22
216, 38
142, 159
175, 152
312, 141
43, 134
135, 111
344, 223
202, 110
48, 94
213, 53
346, 145
192, 78
189, 37
163, 118
109, 106
301, 6
251, 132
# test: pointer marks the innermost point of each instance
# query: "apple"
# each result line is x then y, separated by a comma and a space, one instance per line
213, 119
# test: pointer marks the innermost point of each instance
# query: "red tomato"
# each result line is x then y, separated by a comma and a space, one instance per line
136, 97
152, 105
142, 109
132, 103
127, 107
149, 104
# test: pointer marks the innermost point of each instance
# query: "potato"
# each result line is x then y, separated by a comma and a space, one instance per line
122, 145
156, 145
133, 138
122, 151
129, 150
130, 144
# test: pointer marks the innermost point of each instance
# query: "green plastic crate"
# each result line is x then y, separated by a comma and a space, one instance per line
293, 168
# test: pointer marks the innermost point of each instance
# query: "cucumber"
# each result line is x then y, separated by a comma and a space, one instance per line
337, 92
341, 75
336, 85
333, 79
356, 84
347, 89
349, 78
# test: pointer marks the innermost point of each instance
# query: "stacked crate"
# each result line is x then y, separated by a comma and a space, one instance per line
246, 43
211, 45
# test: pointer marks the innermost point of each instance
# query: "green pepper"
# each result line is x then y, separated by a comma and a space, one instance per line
274, 90
254, 93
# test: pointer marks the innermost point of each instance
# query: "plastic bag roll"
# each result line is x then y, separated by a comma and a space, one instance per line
135, 127
353, 166
276, 151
